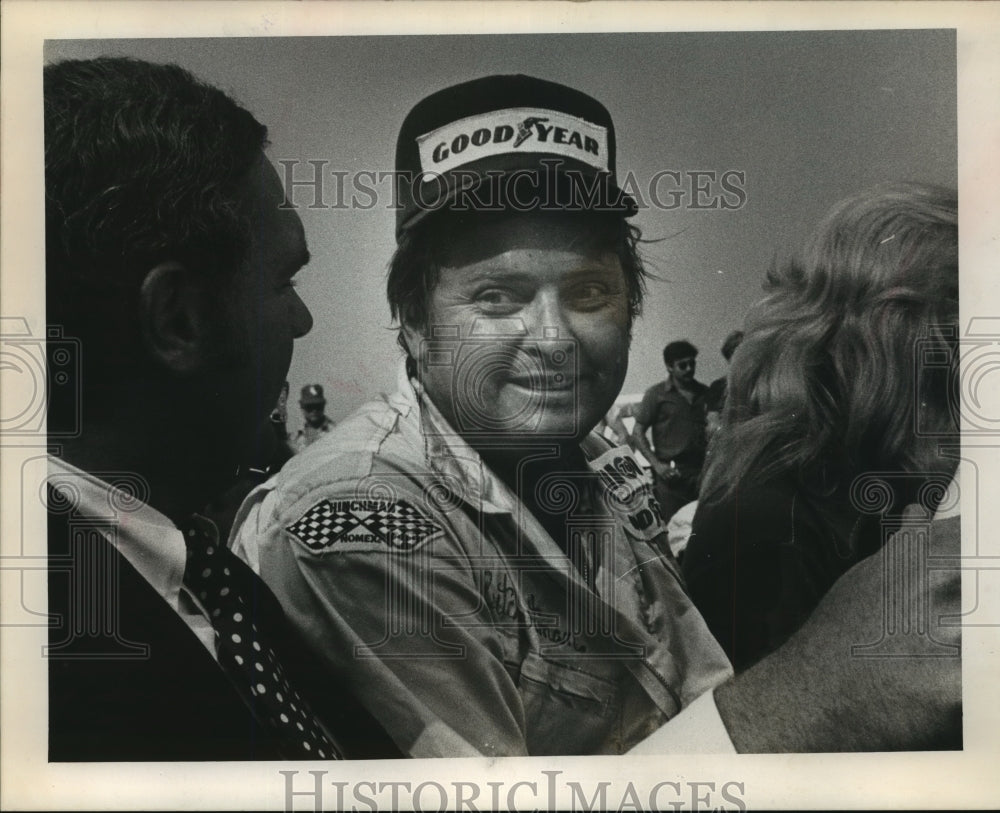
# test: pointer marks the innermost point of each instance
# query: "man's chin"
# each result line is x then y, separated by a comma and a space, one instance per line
513, 417
527, 436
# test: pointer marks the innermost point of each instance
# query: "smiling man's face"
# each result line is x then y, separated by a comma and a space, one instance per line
528, 328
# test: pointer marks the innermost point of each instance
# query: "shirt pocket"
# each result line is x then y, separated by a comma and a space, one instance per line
567, 710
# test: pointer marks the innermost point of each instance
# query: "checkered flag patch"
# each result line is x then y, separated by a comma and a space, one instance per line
369, 524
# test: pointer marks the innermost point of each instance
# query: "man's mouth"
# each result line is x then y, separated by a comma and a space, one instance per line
556, 382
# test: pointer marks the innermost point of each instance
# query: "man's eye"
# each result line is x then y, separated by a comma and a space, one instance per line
496, 299
589, 295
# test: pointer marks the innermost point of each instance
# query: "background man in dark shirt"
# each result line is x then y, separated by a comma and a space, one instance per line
675, 412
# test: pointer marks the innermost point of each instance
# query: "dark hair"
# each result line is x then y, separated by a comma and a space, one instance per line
143, 163
826, 384
732, 341
678, 350
416, 264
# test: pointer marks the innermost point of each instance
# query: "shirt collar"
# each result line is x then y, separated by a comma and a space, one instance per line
452, 457
147, 539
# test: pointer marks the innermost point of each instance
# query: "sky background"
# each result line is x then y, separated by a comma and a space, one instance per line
809, 117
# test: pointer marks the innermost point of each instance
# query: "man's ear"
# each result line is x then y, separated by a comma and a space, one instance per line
175, 313
412, 336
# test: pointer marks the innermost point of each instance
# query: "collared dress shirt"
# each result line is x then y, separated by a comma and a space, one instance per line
148, 541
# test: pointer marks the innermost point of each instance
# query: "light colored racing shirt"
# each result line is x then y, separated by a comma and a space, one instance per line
460, 623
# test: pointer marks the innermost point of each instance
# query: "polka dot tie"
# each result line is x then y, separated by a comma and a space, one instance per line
230, 592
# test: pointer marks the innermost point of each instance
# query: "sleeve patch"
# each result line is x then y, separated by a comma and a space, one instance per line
363, 524
630, 493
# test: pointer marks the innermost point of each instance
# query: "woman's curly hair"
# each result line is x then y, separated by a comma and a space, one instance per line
828, 382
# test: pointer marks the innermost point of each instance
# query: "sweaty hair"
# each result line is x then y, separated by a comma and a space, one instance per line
827, 383
415, 267
681, 349
143, 163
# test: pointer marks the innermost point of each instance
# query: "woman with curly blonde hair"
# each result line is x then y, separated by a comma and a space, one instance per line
826, 388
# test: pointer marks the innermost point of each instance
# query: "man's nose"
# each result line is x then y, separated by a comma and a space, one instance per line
548, 316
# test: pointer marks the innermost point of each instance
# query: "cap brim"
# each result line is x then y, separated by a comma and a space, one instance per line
519, 184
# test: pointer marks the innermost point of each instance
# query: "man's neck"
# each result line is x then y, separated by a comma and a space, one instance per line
173, 474
525, 471
685, 388
540, 480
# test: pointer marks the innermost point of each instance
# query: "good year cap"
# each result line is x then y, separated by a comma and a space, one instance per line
507, 142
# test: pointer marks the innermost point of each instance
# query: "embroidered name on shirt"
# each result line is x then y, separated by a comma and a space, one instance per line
502, 598
394, 524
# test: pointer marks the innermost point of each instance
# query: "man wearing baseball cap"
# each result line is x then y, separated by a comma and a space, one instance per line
317, 424
490, 576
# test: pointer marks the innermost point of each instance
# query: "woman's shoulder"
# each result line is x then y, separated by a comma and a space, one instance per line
749, 501
751, 518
